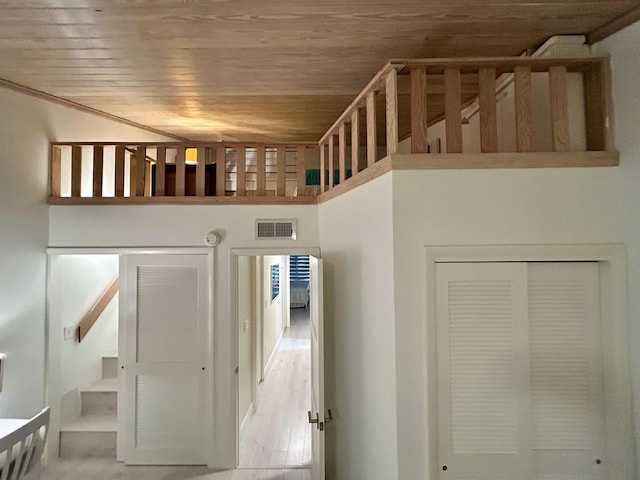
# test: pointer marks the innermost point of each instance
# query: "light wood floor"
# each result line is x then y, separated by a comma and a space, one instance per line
278, 434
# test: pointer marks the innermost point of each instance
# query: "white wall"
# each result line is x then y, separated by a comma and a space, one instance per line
489, 207
27, 125
179, 226
625, 64
357, 242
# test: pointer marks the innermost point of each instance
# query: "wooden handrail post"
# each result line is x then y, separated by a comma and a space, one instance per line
201, 165
301, 174
453, 110
119, 171
597, 95
488, 110
322, 166
419, 107
56, 171
331, 155
281, 171
372, 141
76, 171
161, 160
342, 152
98, 166
141, 170
180, 172
391, 101
524, 109
261, 186
241, 171
355, 141
221, 171
559, 108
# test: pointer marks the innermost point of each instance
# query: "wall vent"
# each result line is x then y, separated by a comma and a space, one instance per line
275, 229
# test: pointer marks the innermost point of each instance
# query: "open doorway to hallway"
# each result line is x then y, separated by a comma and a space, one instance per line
274, 361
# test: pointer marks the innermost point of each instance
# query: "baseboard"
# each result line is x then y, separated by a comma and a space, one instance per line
267, 367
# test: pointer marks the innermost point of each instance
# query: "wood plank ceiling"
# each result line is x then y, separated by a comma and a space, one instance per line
256, 70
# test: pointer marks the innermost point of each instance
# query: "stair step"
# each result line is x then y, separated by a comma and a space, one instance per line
101, 398
110, 367
89, 436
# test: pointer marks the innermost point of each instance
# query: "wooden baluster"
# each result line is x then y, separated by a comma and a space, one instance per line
524, 109
98, 167
372, 141
55, 185
419, 125
331, 155
322, 166
391, 100
453, 110
261, 171
342, 152
301, 172
559, 108
133, 168
221, 171
147, 178
76, 171
201, 166
141, 170
119, 171
488, 111
180, 172
355, 141
597, 95
241, 171
161, 161
281, 171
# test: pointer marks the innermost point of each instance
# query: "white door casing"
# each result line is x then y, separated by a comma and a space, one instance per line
165, 353
317, 407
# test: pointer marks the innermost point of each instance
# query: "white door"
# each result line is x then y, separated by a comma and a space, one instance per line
519, 372
316, 413
164, 329
483, 375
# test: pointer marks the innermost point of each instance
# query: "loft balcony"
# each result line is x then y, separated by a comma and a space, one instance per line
468, 113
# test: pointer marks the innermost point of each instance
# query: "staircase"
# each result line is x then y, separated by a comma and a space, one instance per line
93, 433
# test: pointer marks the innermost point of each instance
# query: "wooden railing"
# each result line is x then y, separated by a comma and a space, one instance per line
180, 173
421, 96
96, 310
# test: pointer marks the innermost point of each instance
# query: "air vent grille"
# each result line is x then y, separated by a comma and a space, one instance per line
275, 229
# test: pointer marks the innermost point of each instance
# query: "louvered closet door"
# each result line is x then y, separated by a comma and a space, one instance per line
164, 358
566, 370
483, 371
519, 371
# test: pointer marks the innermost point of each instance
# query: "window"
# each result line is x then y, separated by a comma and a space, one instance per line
299, 268
275, 281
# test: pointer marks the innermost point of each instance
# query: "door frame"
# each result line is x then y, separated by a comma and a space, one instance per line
52, 370
234, 253
612, 261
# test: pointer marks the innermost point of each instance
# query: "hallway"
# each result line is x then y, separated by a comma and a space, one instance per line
278, 434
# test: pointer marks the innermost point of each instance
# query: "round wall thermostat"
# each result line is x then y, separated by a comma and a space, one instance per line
212, 238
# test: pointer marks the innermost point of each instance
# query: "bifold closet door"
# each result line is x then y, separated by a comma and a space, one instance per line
519, 371
483, 371
165, 358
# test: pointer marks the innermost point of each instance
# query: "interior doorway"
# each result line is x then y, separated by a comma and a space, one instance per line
274, 355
